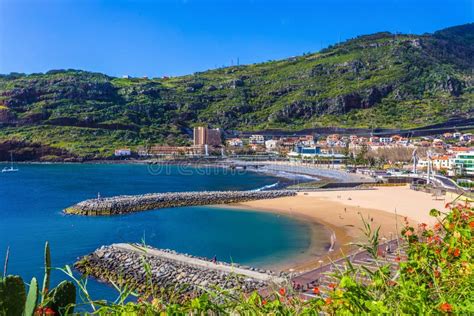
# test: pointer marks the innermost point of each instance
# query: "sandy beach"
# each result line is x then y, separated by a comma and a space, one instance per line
341, 211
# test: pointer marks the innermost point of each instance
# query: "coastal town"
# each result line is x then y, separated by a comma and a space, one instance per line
449, 154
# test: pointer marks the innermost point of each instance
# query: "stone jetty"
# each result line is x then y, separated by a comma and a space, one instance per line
152, 271
134, 203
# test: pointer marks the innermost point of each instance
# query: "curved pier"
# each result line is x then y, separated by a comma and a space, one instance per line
125, 204
149, 271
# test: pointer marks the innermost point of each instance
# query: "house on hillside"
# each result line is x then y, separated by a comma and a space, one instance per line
235, 142
257, 139
438, 143
271, 145
123, 152
385, 140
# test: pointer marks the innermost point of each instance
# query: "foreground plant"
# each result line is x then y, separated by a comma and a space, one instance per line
435, 276
15, 301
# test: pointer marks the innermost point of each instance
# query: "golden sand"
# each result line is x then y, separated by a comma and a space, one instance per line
341, 212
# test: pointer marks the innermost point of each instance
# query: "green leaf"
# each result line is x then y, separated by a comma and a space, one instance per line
12, 295
32, 298
47, 272
63, 297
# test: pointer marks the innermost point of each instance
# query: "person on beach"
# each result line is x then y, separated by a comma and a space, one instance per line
214, 260
333, 242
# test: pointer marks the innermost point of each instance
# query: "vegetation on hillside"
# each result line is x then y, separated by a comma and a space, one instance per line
379, 80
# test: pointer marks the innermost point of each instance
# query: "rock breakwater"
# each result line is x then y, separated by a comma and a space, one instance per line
152, 271
134, 203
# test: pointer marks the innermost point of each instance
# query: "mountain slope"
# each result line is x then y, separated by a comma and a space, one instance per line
379, 80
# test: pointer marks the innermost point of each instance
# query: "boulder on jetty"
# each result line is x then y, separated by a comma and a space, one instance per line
161, 272
124, 204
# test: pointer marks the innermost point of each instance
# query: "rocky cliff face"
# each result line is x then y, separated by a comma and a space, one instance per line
379, 80
26, 151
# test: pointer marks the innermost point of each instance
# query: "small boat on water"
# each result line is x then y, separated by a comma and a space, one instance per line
10, 169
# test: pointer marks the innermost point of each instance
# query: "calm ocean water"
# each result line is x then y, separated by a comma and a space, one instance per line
31, 201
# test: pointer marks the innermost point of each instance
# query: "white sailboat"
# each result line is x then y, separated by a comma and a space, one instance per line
10, 169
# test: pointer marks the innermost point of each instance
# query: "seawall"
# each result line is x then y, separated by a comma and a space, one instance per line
134, 203
152, 271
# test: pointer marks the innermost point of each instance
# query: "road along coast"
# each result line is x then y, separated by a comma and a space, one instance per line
148, 270
125, 204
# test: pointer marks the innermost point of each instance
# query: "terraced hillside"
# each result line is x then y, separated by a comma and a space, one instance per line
379, 80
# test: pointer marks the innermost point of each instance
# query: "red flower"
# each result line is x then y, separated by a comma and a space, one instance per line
397, 259
264, 302
328, 301
437, 226
408, 233
41, 311
457, 252
49, 311
436, 273
471, 224
282, 291
316, 291
422, 226
332, 286
446, 307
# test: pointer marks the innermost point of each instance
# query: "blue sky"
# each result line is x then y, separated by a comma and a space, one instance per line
156, 38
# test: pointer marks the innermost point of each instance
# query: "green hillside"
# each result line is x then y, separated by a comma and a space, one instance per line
379, 80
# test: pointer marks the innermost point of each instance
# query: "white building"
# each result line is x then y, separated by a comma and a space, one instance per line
307, 140
257, 139
374, 139
463, 163
123, 152
235, 142
437, 163
385, 140
404, 142
271, 145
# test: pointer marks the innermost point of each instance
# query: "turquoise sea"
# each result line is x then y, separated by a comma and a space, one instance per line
32, 199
